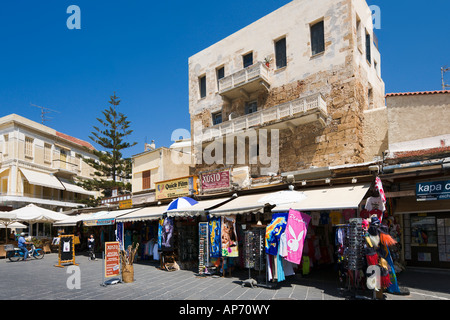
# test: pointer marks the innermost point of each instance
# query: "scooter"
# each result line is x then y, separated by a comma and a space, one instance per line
15, 254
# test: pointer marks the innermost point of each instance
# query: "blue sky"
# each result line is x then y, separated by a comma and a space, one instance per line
140, 50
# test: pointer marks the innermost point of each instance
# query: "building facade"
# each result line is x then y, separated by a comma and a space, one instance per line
311, 70
41, 165
155, 165
417, 172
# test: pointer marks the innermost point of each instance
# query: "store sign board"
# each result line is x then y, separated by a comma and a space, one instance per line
126, 204
112, 259
176, 188
216, 180
435, 190
99, 222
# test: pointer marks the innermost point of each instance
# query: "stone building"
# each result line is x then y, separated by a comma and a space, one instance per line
40, 165
310, 69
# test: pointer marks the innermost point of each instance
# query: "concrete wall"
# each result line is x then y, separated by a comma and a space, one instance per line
418, 121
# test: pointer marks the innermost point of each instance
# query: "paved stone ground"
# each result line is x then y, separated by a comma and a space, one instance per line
41, 280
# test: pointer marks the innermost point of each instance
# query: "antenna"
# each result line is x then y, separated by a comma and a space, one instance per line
44, 111
443, 71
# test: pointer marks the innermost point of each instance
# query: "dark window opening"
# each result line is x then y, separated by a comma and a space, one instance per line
217, 118
251, 107
368, 48
248, 59
317, 38
202, 81
280, 53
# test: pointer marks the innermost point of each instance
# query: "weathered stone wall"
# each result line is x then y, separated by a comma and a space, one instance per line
343, 78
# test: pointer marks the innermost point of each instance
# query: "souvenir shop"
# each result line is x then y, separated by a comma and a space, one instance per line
141, 227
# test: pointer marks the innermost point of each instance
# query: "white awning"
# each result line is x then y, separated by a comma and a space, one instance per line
102, 218
146, 213
240, 205
71, 221
42, 179
332, 198
202, 207
76, 189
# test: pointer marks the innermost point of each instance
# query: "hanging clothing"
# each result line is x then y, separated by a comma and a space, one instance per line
336, 218
297, 227
215, 237
155, 252
229, 237
280, 270
375, 203
288, 268
274, 231
315, 218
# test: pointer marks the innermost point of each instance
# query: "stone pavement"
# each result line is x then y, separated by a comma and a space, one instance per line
40, 280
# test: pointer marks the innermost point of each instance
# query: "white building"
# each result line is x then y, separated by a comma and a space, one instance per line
41, 165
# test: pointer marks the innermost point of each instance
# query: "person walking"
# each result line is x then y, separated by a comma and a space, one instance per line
91, 247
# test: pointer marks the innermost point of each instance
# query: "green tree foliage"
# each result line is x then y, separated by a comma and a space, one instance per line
110, 168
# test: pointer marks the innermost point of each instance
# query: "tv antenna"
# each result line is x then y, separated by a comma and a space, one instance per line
44, 112
443, 71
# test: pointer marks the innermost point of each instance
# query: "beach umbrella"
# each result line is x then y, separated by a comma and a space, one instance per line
32, 214
180, 203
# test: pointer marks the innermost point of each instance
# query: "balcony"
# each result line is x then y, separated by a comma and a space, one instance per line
66, 167
245, 81
284, 116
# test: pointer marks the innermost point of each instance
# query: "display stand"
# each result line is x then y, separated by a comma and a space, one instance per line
254, 254
66, 251
112, 266
203, 248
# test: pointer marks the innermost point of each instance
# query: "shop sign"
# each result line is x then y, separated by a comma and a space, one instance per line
436, 190
216, 180
176, 188
99, 222
112, 259
126, 204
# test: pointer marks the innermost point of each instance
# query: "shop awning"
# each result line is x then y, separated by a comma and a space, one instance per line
240, 205
104, 218
71, 187
202, 207
71, 221
42, 179
143, 214
331, 198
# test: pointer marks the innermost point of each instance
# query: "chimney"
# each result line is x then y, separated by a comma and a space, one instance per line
150, 146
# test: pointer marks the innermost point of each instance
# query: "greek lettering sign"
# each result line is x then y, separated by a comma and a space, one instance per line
176, 188
436, 190
216, 180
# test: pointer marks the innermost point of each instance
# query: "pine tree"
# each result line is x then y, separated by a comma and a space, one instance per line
111, 167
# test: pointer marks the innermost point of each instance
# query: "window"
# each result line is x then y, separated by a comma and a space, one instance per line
247, 59
217, 118
28, 147
202, 82
317, 38
220, 73
280, 53
370, 98
5, 145
251, 107
358, 33
146, 179
368, 48
47, 152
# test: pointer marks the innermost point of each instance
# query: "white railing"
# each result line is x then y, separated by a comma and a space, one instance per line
294, 108
257, 70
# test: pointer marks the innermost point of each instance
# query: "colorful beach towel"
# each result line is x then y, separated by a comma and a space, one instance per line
229, 237
297, 226
274, 231
215, 237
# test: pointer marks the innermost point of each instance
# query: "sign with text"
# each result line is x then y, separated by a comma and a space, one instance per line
216, 180
176, 188
112, 259
435, 190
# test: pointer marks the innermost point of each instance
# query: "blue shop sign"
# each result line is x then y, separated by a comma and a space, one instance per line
436, 190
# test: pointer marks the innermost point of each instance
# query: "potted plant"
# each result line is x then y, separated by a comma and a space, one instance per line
267, 61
